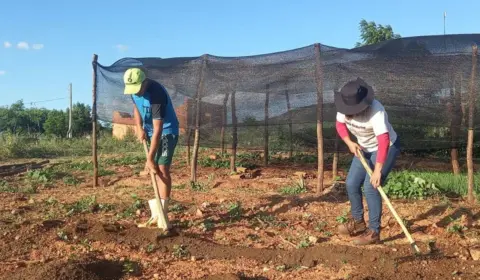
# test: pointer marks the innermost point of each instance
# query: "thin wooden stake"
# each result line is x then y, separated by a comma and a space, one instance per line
290, 125
233, 157
198, 97
456, 120
472, 102
94, 122
319, 82
224, 123
189, 117
335, 159
265, 133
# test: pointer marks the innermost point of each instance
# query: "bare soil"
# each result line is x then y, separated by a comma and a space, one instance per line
224, 229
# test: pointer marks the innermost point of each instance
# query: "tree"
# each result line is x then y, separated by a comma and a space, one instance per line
371, 33
81, 119
56, 123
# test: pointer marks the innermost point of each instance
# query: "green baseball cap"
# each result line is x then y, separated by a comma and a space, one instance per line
133, 79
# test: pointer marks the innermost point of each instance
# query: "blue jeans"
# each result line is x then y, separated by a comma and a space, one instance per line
357, 175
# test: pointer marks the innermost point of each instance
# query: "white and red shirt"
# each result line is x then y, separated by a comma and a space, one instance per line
371, 128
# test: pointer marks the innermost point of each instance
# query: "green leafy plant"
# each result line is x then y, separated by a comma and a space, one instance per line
408, 186
343, 218
295, 188
234, 210
130, 211
180, 251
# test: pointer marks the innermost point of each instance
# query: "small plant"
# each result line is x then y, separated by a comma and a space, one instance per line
132, 209
294, 189
128, 267
321, 226
127, 160
82, 165
343, 218
5, 187
234, 210
456, 228
180, 251
150, 248
36, 178
198, 186
84, 205
179, 187
104, 172
304, 243
207, 224
177, 207
70, 180
62, 235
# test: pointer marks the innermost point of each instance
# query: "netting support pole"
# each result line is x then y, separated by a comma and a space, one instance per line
456, 122
224, 123
189, 118
94, 122
290, 128
335, 159
265, 133
233, 157
319, 82
196, 141
472, 103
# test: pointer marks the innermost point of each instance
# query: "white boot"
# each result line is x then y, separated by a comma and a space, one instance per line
165, 203
152, 203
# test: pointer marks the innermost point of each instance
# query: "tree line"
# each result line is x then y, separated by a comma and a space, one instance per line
18, 119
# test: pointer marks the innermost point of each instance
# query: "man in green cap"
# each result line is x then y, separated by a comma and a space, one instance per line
156, 122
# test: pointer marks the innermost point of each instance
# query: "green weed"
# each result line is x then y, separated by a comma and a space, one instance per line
409, 186
180, 251
294, 189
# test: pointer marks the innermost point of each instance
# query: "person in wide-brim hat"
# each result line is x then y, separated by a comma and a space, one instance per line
354, 97
365, 117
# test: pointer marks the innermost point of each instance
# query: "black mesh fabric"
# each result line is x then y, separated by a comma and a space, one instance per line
423, 82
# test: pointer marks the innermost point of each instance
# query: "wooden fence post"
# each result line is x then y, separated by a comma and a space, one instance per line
196, 141
290, 125
335, 158
265, 133
455, 123
319, 82
189, 117
94, 122
472, 105
224, 123
233, 157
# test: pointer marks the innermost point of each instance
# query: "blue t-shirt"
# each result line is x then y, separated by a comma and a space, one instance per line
155, 104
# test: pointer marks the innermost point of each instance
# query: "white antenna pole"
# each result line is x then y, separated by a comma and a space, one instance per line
444, 19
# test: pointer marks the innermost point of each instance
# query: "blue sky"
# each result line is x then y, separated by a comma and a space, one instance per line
45, 45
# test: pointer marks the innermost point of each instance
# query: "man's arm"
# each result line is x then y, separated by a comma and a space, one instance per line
137, 118
157, 132
159, 105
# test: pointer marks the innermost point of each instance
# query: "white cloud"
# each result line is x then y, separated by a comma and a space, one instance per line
3, 72
7, 44
23, 46
37, 46
121, 48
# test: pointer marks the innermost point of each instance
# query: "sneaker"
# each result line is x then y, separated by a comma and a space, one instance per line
352, 227
368, 237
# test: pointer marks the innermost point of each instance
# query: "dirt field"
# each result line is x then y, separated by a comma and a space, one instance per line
226, 228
